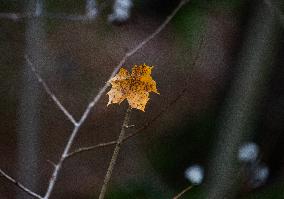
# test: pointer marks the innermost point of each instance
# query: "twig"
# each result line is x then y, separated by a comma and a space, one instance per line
58, 166
115, 153
182, 192
127, 137
51, 163
49, 92
21, 186
90, 148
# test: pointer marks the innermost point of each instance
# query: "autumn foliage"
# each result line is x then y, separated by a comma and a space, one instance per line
134, 87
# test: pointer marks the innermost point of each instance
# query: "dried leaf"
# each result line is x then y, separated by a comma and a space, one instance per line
135, 87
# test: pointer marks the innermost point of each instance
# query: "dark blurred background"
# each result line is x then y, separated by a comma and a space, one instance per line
224, 134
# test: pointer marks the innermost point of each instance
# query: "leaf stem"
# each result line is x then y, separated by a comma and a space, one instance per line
115, 153
182, 192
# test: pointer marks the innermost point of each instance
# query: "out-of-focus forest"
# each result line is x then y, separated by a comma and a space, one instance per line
218, 123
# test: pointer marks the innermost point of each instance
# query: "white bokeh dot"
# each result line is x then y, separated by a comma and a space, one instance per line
248, 152
194, 174
260, 175
121, 11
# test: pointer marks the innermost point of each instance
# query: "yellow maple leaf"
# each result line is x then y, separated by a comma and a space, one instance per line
134, 87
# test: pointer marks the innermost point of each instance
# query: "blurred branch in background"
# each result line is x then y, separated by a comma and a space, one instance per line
275, 11
91, 12
237, 122
28, 130
49, 92
60, 16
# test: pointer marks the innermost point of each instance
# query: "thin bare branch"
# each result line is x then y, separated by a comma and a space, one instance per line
157, 31
58, 166
49, 92
127, 137
115, 153
90, 148
58, 16
182, 192
10, 16
21, 186
51, 163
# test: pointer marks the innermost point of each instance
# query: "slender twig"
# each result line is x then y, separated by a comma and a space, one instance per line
58, 166
49, 92
21, 186
115, 153
51, 163
127, 137
182, 192
158, 30
91, 148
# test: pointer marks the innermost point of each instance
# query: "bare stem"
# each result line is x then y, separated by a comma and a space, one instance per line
127, 137
182, 192
115, 153
58, 166
49, 92
21, 186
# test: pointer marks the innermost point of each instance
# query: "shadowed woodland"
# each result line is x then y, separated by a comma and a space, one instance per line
215, 131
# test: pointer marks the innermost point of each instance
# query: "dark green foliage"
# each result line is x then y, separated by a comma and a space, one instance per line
134, 190
271, 192
66, 6
187, 144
